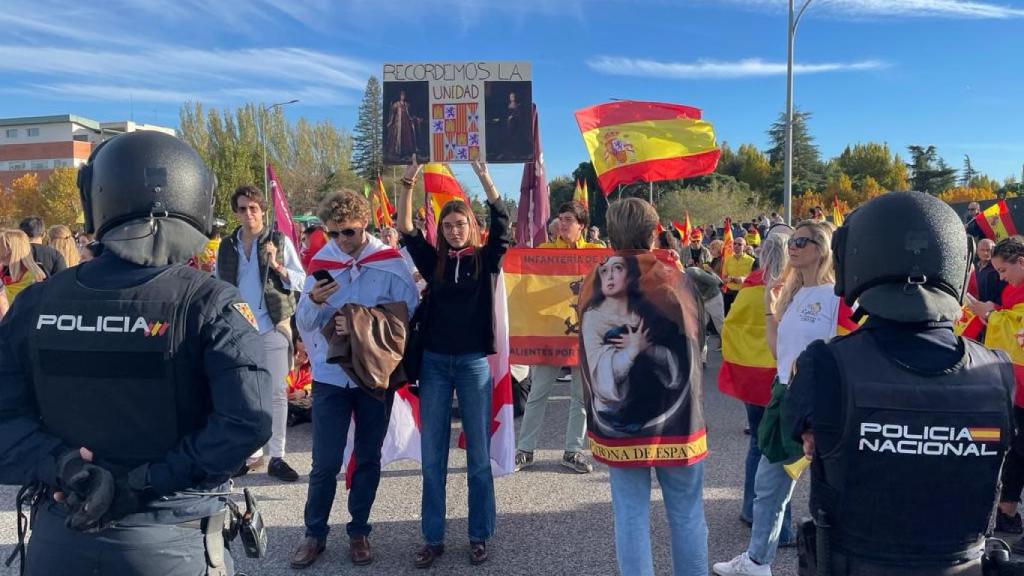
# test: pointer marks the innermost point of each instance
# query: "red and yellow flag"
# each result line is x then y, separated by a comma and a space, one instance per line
684, 229
748, 367
631, 141
382, 208
727, 240
543, 287
580, 194
996, 222
837, 214
1005, 331
441, 186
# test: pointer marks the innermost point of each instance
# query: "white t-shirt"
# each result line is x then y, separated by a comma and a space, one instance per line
810, 316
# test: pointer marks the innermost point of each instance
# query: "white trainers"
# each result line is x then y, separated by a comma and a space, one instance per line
741, 565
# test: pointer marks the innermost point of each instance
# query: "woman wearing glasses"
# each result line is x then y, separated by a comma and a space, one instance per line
804, 308
458, 335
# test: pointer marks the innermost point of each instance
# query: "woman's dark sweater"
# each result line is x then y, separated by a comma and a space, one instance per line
460, 314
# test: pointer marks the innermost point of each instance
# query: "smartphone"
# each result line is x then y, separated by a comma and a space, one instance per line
323, 275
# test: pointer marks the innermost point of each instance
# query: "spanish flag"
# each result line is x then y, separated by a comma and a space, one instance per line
580, 195
684, 228
1005, 331
382, 209
748, 366
727, 240
631, 141
996, 222
837, 214
441, 186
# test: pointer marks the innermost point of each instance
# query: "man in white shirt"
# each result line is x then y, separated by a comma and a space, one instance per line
265, 267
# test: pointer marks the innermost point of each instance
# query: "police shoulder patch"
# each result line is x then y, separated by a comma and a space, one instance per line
246, 312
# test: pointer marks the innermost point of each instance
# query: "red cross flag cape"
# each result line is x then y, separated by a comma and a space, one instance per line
376, 254
402, 441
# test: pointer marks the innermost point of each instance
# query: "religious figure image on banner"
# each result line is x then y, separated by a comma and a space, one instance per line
640, 356
406, 111
509, 129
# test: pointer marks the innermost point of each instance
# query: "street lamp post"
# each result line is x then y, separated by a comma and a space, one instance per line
263, 140
788, 170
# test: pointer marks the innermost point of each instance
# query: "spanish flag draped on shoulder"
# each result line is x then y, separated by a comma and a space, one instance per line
995, 222
1005, 331
631, 141
748, 367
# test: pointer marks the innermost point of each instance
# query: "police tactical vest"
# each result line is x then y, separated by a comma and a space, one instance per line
276, 297
915, 477
110, 369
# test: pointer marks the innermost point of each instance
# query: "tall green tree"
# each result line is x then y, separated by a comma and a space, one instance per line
968, 174
754, 168
367, 138
808, 170
310, 159
861, 161
928, 172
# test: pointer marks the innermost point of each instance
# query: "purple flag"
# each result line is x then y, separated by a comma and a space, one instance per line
282, 215
532, 219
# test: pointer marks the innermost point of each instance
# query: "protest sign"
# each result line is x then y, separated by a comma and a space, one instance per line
458, 112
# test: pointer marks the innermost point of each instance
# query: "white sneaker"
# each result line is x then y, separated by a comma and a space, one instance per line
741, 565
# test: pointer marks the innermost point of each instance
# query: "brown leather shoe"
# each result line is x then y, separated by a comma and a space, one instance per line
477, 553
307, 552
426, 555
359, 550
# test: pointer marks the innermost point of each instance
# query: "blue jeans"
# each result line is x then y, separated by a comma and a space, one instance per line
754, 414
333, 409
469, 376
774, 488
683, 489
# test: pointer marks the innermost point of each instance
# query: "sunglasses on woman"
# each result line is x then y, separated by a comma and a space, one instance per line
801, 242
347, 232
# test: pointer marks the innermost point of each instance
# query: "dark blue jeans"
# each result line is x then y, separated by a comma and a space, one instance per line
469, 376
333, 409
754, 414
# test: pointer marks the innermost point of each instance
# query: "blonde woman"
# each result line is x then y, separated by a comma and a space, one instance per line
804, 308
20, 269
60, 239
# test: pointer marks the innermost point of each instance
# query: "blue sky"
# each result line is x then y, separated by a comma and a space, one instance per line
942, 72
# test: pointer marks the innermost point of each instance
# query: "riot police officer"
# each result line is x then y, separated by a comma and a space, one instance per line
132, 386
906, 424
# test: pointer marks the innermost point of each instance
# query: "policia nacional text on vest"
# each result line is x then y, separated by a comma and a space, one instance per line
919, 454
276, 297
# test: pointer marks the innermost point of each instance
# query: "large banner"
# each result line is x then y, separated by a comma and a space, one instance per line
543, 287
641, 336
458, 112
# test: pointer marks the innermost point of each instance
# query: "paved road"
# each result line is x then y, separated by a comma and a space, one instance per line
550, 521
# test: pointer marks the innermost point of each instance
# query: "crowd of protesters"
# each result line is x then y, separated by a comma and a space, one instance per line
445, 290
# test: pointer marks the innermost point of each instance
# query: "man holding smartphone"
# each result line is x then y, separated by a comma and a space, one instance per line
352, 268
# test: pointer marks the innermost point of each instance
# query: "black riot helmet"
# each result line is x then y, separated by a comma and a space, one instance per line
145, 175
905, 256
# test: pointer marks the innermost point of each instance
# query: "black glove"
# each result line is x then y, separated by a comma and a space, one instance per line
93, 497
88, 490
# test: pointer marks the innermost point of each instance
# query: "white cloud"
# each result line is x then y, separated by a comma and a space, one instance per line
963, 9
751, 67
174, 74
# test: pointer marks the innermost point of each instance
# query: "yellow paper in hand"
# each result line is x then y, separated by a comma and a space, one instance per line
795, 469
